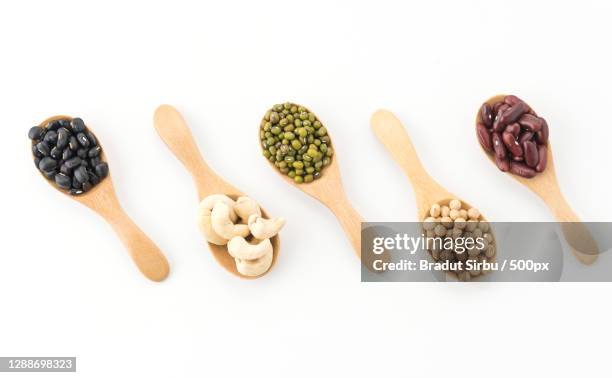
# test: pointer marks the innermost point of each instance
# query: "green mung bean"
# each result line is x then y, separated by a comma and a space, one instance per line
296, 142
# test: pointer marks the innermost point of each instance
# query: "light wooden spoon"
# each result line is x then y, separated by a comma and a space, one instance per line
328, 190
390, 131
103, 200
174, 131
546, 186
392, 134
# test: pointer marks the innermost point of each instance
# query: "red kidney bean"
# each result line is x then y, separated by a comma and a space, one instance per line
498, 146
512, 100
543, 157
527, 135
502, 164
514, 129
531, 153
484, 137
531, 122
498, 127
496, 107
485, 115
542, 135
522, 170
511, 144
513, 113
517, 137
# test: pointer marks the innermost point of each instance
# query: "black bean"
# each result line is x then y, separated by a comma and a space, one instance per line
83, 141
35, 133
92, 138
82, 153
65, 169
78, 126
102, 170
94, 151
43, 148
47, 164
67, 154
55, 153
51, 137
50, 175
75, 183
35, 152
94, 161
63, 181
52, 126
73, 163
93, 178
63, 137
81, 174
73, 143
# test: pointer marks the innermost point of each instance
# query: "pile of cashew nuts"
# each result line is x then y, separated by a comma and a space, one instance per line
241, 227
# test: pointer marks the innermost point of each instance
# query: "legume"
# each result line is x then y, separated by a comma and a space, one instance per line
295, 141
68, 154
453, 220
515, 135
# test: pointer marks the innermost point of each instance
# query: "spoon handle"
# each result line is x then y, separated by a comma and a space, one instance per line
392, 134
349, 219
581, 242
174, 131
146, 255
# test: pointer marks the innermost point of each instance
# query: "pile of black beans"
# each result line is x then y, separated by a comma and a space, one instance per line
68, 154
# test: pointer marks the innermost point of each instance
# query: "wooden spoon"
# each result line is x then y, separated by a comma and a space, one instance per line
103, 200
328, 190
392, 134
546, 186
390, 131
174, 131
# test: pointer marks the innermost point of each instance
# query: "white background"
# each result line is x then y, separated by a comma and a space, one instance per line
69, 289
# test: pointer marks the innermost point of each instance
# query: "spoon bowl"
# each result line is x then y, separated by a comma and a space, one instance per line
546, 186
103, 200
329, 190
392, 134
175, 133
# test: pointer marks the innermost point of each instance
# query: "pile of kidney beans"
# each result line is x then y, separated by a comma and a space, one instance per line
68, 154
514, 133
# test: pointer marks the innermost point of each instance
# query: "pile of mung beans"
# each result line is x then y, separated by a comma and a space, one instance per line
68, 154
294, 140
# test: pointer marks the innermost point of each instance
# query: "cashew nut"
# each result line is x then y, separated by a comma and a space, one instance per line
265, 228
204, 220
245, 207
209, 202
239, 248
222, 223
205, 225
254, 268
